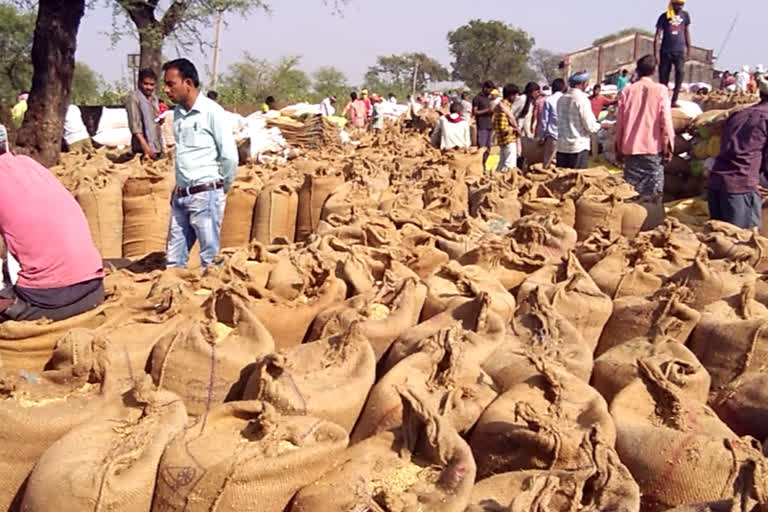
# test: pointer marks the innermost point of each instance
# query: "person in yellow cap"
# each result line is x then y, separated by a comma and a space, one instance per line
367, 101
673, 30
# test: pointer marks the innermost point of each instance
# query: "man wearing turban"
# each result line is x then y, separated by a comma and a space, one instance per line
732, 188
674, 32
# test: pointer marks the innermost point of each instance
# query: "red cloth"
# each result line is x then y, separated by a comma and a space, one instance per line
44, 227
599, 103
644, 119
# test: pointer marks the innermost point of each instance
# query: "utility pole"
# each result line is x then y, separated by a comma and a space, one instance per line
415, 75
216, 49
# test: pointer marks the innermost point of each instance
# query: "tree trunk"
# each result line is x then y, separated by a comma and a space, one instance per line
53, 59
151, 47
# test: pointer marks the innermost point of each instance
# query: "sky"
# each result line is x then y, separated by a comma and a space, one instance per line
366, 29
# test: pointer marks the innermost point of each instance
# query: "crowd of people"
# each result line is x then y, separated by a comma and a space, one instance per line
745, 81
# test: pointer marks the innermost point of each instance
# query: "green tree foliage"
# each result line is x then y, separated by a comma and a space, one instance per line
396, 73
253, 79
620, 34
547, 64
490, 50
16, 32
329, 80
86, 85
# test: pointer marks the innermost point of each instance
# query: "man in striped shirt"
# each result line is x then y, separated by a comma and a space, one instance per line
576, 124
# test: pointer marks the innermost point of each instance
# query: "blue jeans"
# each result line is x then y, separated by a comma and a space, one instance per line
742, 210
195, 217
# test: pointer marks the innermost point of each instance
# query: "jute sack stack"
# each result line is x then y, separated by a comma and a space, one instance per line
684, 436
453, 284
499, 259
617, 368
541, 423
547, 235
495, 199
602, 483
101, 200
574, 295
380, 316
539, 332
424, 465
594, 212
28, 345
202, 360
327, 379
238, 213
726, 241
274, 217
455, 385
637, 317
540, 200
482, 332
109, 462
712, 280
315, 190
623, 272
36, 410
146, 212
245, 456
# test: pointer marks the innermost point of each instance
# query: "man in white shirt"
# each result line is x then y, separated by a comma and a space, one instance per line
327, 108
452, 130
576, 124
742, 79
75, 133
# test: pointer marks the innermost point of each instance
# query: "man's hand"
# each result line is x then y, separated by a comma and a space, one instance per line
688, 53
668, 154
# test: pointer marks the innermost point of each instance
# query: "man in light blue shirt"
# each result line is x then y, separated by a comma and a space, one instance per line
548, 125
206, 165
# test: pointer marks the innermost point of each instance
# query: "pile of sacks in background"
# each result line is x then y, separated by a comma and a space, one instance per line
391, 329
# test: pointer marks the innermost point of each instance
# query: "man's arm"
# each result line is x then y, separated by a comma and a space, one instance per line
619, 128
688, 41
510, 115
225, 144
667, 126
656, 40
588, 118
545, 117
764, 164
136, 124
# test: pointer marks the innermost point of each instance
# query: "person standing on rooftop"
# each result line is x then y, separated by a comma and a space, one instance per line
673, 29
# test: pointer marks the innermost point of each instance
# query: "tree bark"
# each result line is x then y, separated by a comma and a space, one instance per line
53, 60
150, 48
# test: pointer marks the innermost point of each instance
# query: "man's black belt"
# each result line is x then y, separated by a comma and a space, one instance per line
205, 187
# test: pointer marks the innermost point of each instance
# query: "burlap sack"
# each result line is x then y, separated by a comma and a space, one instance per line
381, 316
541, 423
726, 241
731, 339
538, 333
593, 249
564, 208
28, 345
274, 217
684, 436
448, 381
602, 484
633, 219
743, 405
101, 199
617, 368
592, 212
710, 281
146, 213
574, 295
545, 235
637, 317
238, 213
203, 359
245, 456
285, 279
493, 200
315, 190
618, 275
327, 379
506, 265
109, 462
454, 284
38, 409
424, 465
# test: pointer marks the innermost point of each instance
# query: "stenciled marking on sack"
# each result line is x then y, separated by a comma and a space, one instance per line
674, 462
197, 390
179, 476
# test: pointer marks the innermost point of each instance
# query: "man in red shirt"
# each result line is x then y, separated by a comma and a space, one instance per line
598, 101
45, 230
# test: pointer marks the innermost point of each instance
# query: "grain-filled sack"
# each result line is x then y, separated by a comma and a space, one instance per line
712, 280
495, 199
327, 379
203, 359
37, 409
28, 345
726, 241
501, 261
731, 338
743, 405
381, 316
633, 219
637, 317
109, 462
101, 200
574, 295
315, 190
564, 208
454, 284
274, 217
592, 212
541, 423
424, 465
245, 456
622, 273
451, 383
666, 439
146, 213
238, 214
617, 368
546, 234
602, 483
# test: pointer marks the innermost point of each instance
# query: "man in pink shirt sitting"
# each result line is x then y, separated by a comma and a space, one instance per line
45, 230
644, 133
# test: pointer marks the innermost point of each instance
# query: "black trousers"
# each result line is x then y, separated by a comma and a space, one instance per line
573, 160
17, 309
667, 60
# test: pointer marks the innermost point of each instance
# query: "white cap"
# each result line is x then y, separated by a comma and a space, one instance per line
760, 68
